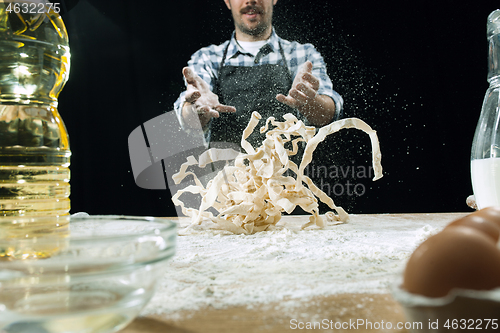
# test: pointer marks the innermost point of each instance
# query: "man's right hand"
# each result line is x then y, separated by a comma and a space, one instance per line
201, 103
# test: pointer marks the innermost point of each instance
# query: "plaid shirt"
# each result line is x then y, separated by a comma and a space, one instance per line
206, 63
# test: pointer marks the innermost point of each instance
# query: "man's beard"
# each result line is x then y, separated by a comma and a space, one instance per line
257, 31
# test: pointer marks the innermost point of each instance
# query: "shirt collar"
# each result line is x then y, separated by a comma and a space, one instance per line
233, 49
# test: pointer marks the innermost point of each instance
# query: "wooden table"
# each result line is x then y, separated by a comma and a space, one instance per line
328, 311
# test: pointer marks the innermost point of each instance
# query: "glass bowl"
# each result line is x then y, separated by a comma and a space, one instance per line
460, 310
79, 273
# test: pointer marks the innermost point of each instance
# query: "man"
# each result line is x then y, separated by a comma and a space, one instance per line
254, 71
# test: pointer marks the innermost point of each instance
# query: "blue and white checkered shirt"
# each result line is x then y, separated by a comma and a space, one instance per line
206, 63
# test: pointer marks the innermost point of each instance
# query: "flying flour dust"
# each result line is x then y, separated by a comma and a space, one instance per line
251, 194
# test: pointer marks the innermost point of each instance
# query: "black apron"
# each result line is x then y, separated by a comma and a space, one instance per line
250, 89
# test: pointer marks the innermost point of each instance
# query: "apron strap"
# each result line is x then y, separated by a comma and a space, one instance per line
283, 59
224, 56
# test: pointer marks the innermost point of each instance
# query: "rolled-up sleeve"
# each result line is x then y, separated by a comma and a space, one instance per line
326, 85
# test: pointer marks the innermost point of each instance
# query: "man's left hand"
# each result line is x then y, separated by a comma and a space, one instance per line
303, 96
304, 88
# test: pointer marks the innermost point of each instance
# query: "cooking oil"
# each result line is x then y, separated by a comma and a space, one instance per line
34, 143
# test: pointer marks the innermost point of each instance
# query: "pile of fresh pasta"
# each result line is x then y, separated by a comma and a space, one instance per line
253, 190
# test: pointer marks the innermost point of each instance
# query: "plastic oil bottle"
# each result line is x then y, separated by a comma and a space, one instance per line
34, 143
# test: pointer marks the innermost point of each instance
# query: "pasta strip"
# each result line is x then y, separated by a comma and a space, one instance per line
250, 194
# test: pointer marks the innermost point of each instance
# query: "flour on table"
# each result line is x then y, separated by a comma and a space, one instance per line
214, 268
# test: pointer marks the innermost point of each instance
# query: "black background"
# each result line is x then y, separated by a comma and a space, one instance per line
416, 73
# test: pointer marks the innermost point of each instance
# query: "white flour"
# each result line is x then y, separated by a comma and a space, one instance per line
214, 268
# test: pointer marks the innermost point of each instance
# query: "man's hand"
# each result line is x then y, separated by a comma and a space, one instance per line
318, 109
304, 88
201, 103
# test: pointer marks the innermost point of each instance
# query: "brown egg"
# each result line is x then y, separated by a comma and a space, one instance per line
489, 213
457, 257
480, 223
